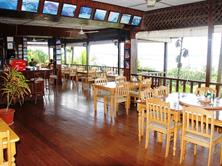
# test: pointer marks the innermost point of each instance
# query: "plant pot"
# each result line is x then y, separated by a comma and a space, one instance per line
7, 116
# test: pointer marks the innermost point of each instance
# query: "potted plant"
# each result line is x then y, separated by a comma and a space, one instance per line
14, 88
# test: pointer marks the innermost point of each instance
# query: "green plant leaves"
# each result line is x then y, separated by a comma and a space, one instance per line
14, 86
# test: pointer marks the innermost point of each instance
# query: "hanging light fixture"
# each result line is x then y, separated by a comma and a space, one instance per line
151, 3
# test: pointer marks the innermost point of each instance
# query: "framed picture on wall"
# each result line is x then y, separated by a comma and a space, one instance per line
9, 45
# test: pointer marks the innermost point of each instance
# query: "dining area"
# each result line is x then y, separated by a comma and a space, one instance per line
194, 118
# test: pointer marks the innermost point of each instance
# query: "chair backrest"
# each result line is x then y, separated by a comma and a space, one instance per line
205, 90
39, 87
161, 91
120, 79
158, 111
100, 81
198, 121
122, 90
5, 146
146, 94
146, 83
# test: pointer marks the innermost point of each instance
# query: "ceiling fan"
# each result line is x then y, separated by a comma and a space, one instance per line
151, 3
81, 32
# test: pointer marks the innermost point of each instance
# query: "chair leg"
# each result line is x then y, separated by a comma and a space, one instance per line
210, 154
105, 105
167, 144
127, 107
175, 141
142, 122
195, 150
147, 137
182, 150
220, 155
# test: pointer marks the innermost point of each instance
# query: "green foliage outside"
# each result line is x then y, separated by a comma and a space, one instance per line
38, 55
188, 74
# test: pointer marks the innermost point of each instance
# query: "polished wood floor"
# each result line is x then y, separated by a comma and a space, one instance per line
62, 130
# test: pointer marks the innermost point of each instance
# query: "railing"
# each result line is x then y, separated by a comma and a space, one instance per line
181, 85
103, 68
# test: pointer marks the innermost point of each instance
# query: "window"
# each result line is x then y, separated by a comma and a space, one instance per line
79, 55
193, 66
150, 56
104, 54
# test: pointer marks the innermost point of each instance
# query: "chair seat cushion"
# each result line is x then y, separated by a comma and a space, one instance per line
161, 126
103, 93
135, 93
202, 138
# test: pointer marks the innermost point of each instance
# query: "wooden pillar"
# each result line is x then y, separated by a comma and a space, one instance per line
49, 52
165, 61
65, 57
209, 46
119, 57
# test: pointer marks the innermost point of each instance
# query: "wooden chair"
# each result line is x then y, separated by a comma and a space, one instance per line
160, 119
121, 95
38, 89
88, 79
161, 91
72, 74
198, 128
5, 146
120, 79
204, 90
145, 94
101, 93
135, 92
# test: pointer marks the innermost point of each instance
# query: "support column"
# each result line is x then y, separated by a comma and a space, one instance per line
87, 55
119, 57
65, 57
165, 61
133, 65
165, 58
209, 46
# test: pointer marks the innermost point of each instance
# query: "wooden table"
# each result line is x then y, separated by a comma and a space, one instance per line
188, 99
176, 101
109, 87
13, 138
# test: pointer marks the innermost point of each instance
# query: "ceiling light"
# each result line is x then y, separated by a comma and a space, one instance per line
151, 3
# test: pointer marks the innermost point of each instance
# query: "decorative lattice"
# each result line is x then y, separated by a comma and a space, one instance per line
189, 15
217, 12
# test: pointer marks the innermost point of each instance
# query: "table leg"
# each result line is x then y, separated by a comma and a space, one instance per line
95, 98
111, 108
13, 152
139, 122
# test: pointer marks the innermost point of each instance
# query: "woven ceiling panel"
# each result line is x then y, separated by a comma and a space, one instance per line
217, 12
189, 15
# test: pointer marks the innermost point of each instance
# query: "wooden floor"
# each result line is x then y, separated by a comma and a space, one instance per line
62, 130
